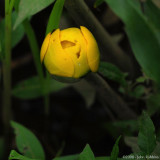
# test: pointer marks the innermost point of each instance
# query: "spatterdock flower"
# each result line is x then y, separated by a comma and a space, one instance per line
71, 52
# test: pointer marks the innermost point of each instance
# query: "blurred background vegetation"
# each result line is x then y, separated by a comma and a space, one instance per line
95, 110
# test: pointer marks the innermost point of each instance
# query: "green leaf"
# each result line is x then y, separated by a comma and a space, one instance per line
86, 154
15, 155
31, 88
146, 136
111, 72
115, 150
98, 3
143, 39
29, 8
70, 157
138, 91
153, 13
17, 34
27, 143
55, 15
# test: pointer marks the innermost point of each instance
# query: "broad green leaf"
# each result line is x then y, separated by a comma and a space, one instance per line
98, 3
146, 136
31, 88
86, 91
27, 143
16, 155
140, 31
70, 157
111, 72
106, 158
152, 12
132, 142
115, 150
17, 34
29, 8
86, 154
55, 15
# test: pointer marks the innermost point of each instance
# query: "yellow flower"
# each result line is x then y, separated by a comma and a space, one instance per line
72, 52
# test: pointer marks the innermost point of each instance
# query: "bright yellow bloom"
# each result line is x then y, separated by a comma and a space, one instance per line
72, 52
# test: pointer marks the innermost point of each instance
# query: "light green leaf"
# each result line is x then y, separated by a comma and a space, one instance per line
55, 15
146, 136
27, 143
86, 154
29, 8
112, 72
16, 155
31, 88
143, 39
115, 150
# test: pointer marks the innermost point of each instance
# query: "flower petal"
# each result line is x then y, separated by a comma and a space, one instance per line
93, 54
56, 60
74, 45
44, 47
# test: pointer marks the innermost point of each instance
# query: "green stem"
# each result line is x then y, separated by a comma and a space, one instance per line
7, 69
35, 50
34, 47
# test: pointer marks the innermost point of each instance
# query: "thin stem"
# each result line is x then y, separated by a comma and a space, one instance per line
7, 70
11, 5
34, 47
35, 50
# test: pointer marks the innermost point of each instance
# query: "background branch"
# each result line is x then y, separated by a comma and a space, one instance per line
82, 15
111, 98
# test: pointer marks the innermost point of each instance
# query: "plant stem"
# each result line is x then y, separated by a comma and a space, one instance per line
34, 47
7, 70
35, 50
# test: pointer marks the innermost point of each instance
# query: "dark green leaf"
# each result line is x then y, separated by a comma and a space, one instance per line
55, 15
143, 38
27, 143
70, 157
153, 104
86, 154
15, 155
146, 136
115, 150
138, 91
111, 72
31, 88
153, 13
98, 3
29, 8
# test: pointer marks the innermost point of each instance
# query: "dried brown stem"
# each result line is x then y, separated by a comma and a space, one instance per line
110, 97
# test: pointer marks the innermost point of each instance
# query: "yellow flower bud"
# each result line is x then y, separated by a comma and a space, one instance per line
72, 52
